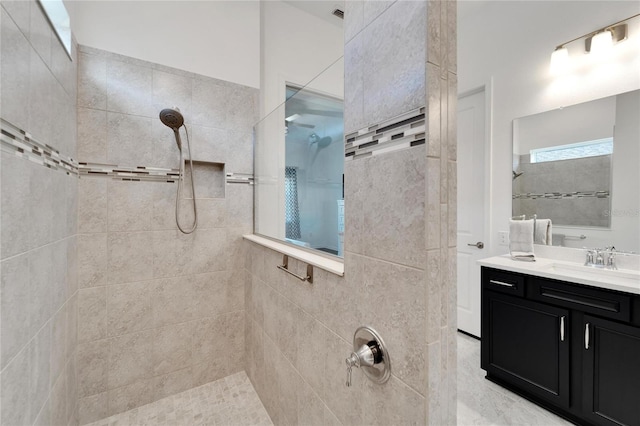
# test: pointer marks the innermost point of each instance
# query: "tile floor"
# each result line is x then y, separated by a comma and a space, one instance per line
232, 401
481, 402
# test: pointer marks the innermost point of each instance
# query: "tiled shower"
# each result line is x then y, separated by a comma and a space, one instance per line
39, 286
159, 311
106, 306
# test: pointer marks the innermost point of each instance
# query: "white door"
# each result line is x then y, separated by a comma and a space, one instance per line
471, 208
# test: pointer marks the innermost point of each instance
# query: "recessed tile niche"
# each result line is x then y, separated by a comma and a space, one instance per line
209, 179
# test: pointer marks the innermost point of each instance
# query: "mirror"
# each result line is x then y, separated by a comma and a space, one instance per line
579, 167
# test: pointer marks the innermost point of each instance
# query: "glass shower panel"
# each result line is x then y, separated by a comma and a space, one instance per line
299, 159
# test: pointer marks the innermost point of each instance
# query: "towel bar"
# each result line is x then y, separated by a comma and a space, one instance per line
285, 266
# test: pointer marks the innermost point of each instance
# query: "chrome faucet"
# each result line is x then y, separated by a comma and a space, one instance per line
590, 261
601, 258
611, 258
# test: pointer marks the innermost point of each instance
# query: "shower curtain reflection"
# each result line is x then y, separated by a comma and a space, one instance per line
292, 211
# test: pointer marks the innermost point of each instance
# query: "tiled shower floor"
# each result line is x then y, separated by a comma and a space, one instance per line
230, 401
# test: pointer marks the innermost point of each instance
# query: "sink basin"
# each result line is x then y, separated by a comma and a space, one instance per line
615, 276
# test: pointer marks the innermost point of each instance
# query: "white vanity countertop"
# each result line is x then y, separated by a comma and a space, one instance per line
620, 280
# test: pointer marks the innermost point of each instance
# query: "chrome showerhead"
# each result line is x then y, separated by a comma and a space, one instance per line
171, 117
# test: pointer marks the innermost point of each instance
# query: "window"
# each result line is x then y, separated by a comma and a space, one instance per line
576, 150
59, 20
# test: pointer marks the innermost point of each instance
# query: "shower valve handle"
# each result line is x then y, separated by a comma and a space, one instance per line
366, 356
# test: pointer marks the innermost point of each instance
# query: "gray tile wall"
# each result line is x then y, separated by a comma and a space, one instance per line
578, 175
38, 282
400, 268
159, 312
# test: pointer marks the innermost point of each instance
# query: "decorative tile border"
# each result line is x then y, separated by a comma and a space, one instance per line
20, 143
240, 178
136, 174
404, 131
562, 195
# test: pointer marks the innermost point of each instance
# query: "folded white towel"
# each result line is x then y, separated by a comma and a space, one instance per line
521, 239
521, 255
542, 232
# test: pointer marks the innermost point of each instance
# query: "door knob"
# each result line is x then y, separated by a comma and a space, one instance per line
479, 245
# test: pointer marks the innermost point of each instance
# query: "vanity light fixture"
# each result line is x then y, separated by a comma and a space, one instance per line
559, 61
597, 42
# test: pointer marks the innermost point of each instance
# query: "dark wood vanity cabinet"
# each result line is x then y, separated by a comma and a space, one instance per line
571, 348
611, 372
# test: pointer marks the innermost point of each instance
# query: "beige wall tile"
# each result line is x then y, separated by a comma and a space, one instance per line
14, 381
133, 395
130, 308
93, 367
129, 256
39, 370
345, 403
59, 401
173, 301
123, 79
216, 293
394, 208
394, 403
172, 383
398, 295
338, 312
92, 135
92, 260
311, 351
40, 288
129, 205
59, 327
129, 358
389, 89
14, 302
173, 348
92, 81
92, 314
93, 408
15, 193
129, 139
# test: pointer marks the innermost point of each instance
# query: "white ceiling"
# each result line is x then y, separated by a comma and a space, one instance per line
321, 8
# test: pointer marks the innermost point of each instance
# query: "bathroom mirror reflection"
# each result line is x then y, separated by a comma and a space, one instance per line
575, 166
299, 162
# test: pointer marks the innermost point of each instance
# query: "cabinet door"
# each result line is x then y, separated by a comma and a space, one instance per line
526, 344
611, 363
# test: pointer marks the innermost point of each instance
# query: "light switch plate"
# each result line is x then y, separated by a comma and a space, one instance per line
503, 238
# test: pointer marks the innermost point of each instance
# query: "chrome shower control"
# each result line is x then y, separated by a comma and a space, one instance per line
369, 354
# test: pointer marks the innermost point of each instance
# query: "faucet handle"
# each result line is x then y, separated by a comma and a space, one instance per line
611, 259
590, 257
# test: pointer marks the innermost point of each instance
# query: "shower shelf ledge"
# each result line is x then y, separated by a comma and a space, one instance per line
319, 261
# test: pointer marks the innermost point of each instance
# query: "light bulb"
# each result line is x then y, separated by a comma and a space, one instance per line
559, 61
601, 44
